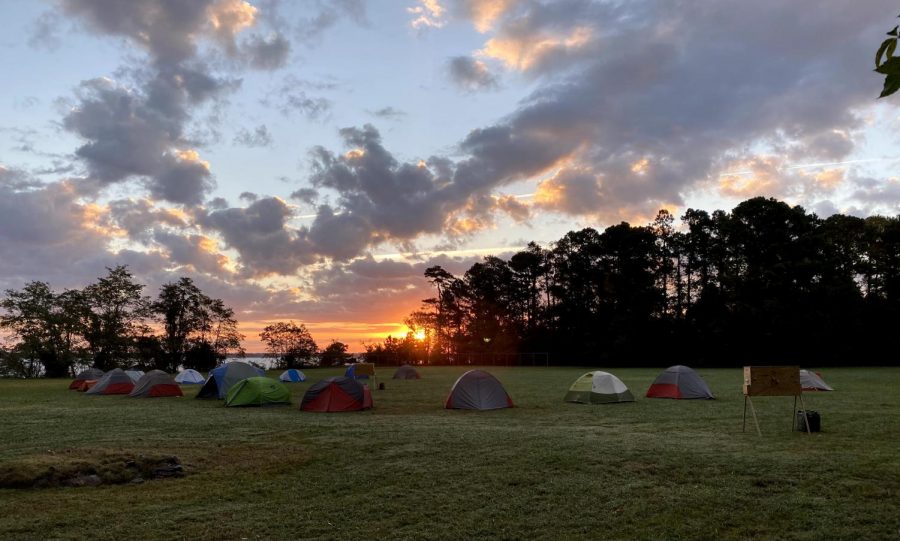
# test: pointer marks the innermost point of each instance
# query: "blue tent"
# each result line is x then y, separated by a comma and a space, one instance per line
351, 373
292, 375
223, 377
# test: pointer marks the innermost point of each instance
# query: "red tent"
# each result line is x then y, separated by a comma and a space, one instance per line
337, 394
156, 383
90, 373
116, 381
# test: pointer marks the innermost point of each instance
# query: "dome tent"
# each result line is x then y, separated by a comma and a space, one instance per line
679, 382
90, 373
406, 372
336, 395
477, 390
135, 375
116, 381
258, 391
223, 377
292, 375
190, 377
812, 381
598, 388
155, 383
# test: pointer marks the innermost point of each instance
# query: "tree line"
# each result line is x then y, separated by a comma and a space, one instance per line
111, 323
767, 283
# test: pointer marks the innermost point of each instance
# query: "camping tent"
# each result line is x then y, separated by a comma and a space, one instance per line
135, 375
598, 388
85, 385
477, 390
337, 394
406, 372
189, 377
90, 373
292, 375
258, 391
116, 381
811, 381
360, 370
156, 383
223, 377
680, 382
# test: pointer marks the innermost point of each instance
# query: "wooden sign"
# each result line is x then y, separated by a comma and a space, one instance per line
772, 381
368, 369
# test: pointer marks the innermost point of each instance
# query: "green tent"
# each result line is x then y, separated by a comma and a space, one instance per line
258, 391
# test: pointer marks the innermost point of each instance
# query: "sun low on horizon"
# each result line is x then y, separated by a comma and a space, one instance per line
308, 161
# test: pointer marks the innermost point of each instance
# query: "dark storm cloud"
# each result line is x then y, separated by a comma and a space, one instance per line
471, 74
261, 235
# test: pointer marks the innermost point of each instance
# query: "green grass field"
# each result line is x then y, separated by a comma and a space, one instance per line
653, 469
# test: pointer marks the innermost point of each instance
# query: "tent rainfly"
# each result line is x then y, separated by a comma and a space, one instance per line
135, 375
90, 373
477, 390
679, 382
258, 391
337, 395
598, 388
154, 384
406, 372
116, 381
223, 377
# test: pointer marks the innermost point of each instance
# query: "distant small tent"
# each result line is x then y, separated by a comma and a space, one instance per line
478, 390
223, 377
155, 384
116, 381
135, 375
406, 372
292, 375
679, 382
90, 373
258, 391
337, 395
598, 388
360, 371
190, 377
811, 381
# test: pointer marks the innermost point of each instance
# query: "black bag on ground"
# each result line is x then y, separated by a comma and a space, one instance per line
815, 422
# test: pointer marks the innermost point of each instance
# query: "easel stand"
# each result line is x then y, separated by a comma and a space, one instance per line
748, 400
773, 381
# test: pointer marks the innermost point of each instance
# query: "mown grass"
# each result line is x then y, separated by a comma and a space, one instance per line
653, 469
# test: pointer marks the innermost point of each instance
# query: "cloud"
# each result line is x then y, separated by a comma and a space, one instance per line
259, 138
266, 53
471, 74
427, 14
261, 236
389, 113
327, 14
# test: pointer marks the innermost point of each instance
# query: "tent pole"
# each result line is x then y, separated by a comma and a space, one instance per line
755, 420
805, 415
744, 420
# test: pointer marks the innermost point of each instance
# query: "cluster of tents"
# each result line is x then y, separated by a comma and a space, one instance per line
242, 384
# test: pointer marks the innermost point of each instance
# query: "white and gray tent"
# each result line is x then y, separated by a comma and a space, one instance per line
190, 377
406, 372
679, 382
811, 381
135, 375
478, 390
598, 388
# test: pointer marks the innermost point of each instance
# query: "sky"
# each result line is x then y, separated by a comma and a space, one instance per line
307, 160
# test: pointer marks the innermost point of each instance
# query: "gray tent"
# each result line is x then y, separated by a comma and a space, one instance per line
478, 390
135, 375
90, 373
156, 383
223, 377
407, 372
116, 381
679, 382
